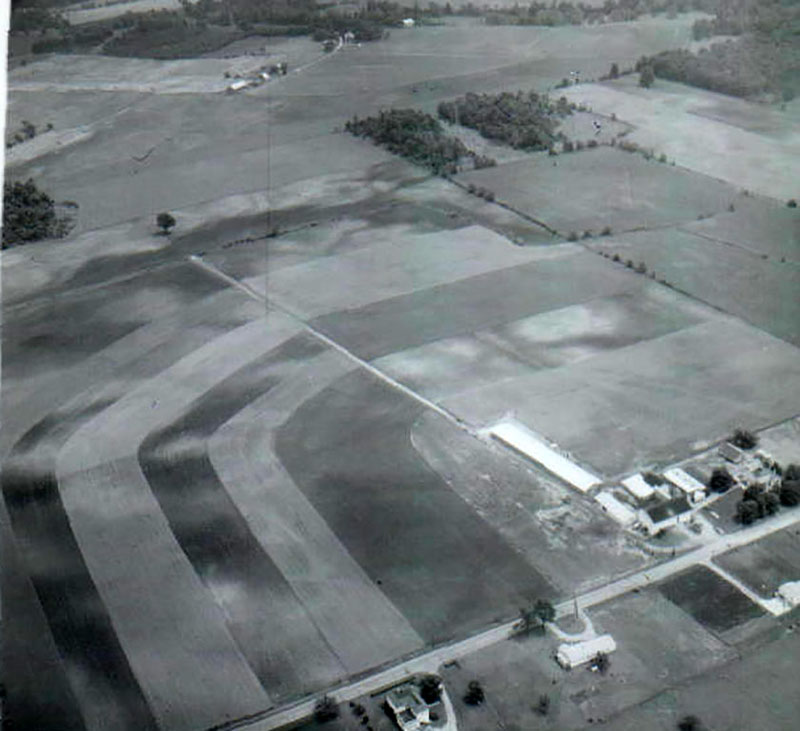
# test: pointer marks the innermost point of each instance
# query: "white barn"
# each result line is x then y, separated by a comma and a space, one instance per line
637, 486
620, 512
684, 481
571, 655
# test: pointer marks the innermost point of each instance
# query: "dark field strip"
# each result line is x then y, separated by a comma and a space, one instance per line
710, 599
447, 570
93, 661
268, 622
476, 303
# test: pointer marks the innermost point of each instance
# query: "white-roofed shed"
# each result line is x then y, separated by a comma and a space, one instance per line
637, 486
620, 512
571, 655
684, 480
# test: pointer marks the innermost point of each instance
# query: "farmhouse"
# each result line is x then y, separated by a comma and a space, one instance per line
408, 22
571, 655
620, 512
637, 486
410, 711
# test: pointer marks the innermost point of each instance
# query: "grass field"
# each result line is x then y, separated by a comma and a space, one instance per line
759, 290
712, 601
756, 692
602, 187
670, 395
750, 146
766, 564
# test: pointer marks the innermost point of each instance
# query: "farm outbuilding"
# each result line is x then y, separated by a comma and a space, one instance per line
623, 514
571, 655
730, 452
637, 486
410, 711
684, 481
790, 593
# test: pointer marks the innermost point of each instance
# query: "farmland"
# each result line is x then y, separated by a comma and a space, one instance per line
247, 457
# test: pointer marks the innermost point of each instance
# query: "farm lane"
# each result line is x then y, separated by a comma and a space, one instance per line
432, 660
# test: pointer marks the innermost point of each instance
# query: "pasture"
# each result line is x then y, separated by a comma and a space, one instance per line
750, 146
756, 287
767, 563
602, 187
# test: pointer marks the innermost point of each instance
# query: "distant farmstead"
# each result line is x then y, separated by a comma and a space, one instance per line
408, 22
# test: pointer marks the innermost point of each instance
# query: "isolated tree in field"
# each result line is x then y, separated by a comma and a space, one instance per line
721, 480
646, 76
165, 221
475, 695
614, 72
690, 723
430, 689
544, 705
29, 214
326, 710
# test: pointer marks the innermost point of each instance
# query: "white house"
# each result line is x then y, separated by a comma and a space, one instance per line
408, 22
571, 655
637, 486
620, 512
238, 85
410, 711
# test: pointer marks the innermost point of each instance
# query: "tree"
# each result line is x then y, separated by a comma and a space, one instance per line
690, 723
544, 705
646, 76
475, 695
430, 688
789, 494
721, 480
326, 710
792, 472
29, 214
744, 439
165, 222
544, 610
747, 511
614, 72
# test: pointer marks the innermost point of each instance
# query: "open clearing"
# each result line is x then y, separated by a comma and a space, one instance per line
602, 187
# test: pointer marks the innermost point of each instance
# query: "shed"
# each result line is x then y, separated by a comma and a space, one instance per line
616, 508
637, 486
684, 481
730, 452
664, 514
238, 85
571, 655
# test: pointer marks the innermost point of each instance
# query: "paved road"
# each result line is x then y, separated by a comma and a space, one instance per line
430, 661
